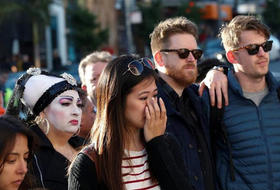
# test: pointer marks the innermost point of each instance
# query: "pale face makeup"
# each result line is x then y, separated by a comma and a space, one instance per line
15, 166
64, 113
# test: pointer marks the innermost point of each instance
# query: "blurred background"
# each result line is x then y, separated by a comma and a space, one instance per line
56, 34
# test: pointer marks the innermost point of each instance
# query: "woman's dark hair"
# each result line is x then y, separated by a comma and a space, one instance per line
9, 128
109, 132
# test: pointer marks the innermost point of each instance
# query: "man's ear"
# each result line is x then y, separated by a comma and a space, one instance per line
158, 58
84, 87
231, 57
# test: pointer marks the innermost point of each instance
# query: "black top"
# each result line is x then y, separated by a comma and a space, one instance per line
165, 162
187, 121
49, 167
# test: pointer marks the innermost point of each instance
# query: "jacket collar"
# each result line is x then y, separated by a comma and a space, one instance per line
235, 86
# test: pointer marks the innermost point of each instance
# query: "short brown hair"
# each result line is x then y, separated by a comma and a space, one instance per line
97, 56
230, 33
165, 29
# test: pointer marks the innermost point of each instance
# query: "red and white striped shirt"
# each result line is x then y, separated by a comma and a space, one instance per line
135, 171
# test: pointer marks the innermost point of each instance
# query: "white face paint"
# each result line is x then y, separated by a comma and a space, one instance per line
64, 112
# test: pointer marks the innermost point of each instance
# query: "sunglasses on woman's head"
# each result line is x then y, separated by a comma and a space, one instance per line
136, 67
253, 49
184, 53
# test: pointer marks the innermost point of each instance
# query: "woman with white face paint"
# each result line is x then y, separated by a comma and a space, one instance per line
51, 106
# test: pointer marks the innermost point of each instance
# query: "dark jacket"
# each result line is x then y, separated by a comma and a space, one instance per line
254, 136
182, 129
49, 166
165, 163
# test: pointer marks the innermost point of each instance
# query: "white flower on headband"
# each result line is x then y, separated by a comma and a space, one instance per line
34, 71
69, 78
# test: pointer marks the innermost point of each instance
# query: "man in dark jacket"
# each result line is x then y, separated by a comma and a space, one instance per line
248, 157
175, 51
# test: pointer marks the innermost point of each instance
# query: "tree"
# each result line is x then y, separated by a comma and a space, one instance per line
271, 15
151, 16
38, 11
85, 30
191, 11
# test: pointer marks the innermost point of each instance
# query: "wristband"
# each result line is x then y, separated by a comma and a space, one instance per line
221, 69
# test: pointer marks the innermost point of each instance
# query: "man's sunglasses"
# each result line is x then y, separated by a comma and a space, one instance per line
253, 49
184, 53
136, 67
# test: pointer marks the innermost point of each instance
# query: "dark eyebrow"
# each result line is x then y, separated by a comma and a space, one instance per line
145, 92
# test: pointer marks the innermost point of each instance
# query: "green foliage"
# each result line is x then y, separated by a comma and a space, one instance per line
36, 10
151, 14
191, 11
271, 15
85, 30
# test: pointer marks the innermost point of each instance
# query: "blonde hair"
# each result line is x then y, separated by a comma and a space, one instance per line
97, 56
230, 33
165, 29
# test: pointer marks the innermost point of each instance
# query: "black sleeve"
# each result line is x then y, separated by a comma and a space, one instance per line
167, 164
82, 174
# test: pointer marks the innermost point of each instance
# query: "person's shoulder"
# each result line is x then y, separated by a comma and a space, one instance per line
82, 173
82, 163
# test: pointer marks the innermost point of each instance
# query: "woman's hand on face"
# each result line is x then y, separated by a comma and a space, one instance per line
156, 118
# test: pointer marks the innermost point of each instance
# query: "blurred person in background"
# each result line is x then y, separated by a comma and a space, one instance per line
129, 149
26, 64
4, 74
88, 117
2, 109
51, 106
16, 151
90, 69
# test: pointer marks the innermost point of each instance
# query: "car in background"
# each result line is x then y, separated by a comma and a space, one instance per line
275, 51
212, 47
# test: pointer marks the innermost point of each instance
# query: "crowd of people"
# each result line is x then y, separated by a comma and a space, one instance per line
134, 123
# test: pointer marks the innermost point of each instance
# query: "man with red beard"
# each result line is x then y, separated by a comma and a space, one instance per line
175, 52
248, 153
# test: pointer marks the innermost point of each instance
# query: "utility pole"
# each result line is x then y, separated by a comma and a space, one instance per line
127, 8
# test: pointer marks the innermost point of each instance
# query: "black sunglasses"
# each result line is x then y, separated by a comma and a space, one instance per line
136, 67
253, 49
184, 53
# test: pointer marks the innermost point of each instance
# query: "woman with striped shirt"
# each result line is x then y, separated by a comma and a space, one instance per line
128, 147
